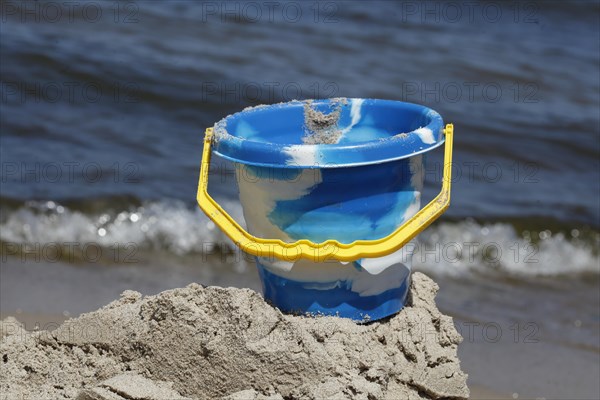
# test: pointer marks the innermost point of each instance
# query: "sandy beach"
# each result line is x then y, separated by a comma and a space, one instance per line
487, 358
52, 322
213, 342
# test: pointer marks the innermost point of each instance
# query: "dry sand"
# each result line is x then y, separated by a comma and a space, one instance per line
211, 342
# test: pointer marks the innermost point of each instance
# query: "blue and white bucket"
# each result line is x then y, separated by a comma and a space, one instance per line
343, 169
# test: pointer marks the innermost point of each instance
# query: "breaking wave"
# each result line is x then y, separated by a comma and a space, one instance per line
449, 248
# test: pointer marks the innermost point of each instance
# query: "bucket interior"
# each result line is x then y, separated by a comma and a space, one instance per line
287, 124
318, 133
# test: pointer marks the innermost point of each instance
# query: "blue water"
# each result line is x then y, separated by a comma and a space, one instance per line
148, 78
102, 119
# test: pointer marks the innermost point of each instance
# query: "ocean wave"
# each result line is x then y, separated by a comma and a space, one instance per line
447, 248
471, 247
160, 225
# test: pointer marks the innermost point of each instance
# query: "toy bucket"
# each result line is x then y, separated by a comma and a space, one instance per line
331, 192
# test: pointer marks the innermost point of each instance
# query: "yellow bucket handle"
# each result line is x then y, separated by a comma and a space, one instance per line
329, 249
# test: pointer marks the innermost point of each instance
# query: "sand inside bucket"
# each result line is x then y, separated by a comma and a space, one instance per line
211, 342
320, 127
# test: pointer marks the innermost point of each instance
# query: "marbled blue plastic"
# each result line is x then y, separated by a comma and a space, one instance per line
293, 297
365, 187
261, 135
353, 203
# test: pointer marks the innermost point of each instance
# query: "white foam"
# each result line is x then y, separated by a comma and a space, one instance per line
180, 229
168, 225
467, 247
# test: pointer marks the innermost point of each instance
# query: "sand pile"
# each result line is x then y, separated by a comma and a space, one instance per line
210, 342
